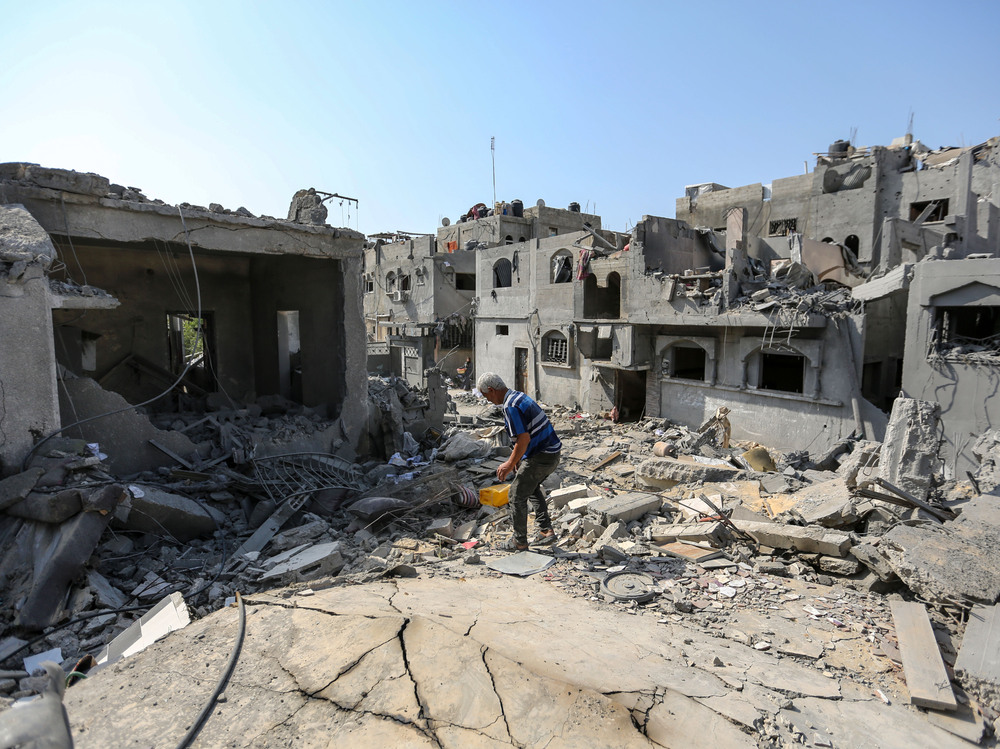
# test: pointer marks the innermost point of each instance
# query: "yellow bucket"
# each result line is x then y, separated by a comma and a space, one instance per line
494, 495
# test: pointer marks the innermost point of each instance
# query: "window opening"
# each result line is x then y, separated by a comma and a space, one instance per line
852, 243
562, 267
555, 348
465, 281
782, 227
503, 330
508, 239
970, 331
688, 363
502, 273
785, 372
190, 341
935, 210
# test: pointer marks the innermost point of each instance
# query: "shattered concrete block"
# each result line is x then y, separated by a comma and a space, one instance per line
861, 464
838, 566
869, 556
441, 526
958, 562
561, 497
14, 489
123, 436
909, 455
77, 539
313, 562
48, 508
624, 507
302, 534
712, 533
581, 504
828, 504
664, 473
108, 596
154, 511
800, 538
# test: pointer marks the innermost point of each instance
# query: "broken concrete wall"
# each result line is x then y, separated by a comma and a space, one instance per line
961, 379
673, 247
815, 418
125, 436
28, 399
847, 197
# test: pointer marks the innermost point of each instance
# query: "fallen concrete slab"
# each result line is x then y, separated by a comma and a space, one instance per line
75, 542
155, 511
624, 507
828, 504
954, 562
14, 489
309, 563
797, 537
664, 473
48, 508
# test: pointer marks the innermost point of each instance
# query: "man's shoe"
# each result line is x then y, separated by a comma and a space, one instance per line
511, 545
542, 540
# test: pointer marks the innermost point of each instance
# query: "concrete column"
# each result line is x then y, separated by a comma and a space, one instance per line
736, 253
29, 402
355, 409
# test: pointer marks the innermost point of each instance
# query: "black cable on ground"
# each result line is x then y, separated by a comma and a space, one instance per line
195, 728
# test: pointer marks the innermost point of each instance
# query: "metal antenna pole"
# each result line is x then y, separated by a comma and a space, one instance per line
493, 157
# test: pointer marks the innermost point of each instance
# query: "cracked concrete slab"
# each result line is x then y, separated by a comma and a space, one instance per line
471, 662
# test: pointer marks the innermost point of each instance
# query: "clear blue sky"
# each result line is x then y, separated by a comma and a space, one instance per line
615, 105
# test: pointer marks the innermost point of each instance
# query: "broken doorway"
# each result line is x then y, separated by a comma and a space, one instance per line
630, 394
191, 347
289, 355
521, 369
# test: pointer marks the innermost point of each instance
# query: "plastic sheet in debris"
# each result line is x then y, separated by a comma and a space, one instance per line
523, 563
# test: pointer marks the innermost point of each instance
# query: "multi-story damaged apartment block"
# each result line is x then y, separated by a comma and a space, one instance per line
804, 306
420, 290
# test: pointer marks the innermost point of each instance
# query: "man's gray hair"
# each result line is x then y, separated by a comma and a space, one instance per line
489, 380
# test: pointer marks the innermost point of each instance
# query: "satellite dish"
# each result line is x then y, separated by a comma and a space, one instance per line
540, 203
446, 221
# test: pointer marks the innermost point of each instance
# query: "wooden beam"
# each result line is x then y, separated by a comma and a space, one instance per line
926, 677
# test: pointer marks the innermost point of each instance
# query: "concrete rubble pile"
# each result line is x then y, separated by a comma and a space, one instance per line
85, 543
784, 553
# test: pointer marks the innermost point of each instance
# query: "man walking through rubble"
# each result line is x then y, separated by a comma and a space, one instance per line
534, 455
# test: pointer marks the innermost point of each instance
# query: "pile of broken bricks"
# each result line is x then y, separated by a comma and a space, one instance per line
774, 551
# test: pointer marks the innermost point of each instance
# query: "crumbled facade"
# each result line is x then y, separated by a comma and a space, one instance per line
791, 305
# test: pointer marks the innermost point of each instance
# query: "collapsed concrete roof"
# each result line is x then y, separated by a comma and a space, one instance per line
88, 206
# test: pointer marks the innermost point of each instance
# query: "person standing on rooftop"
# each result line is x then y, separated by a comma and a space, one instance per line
534, 455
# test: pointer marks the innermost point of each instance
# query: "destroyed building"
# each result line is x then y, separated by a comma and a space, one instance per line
418, 306
702, 590
120, 295
787, 305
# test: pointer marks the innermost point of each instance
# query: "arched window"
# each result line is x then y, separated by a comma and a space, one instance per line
520, 239
390, 282
508, 239
561, 267
852, 243
555, 348
502, 272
